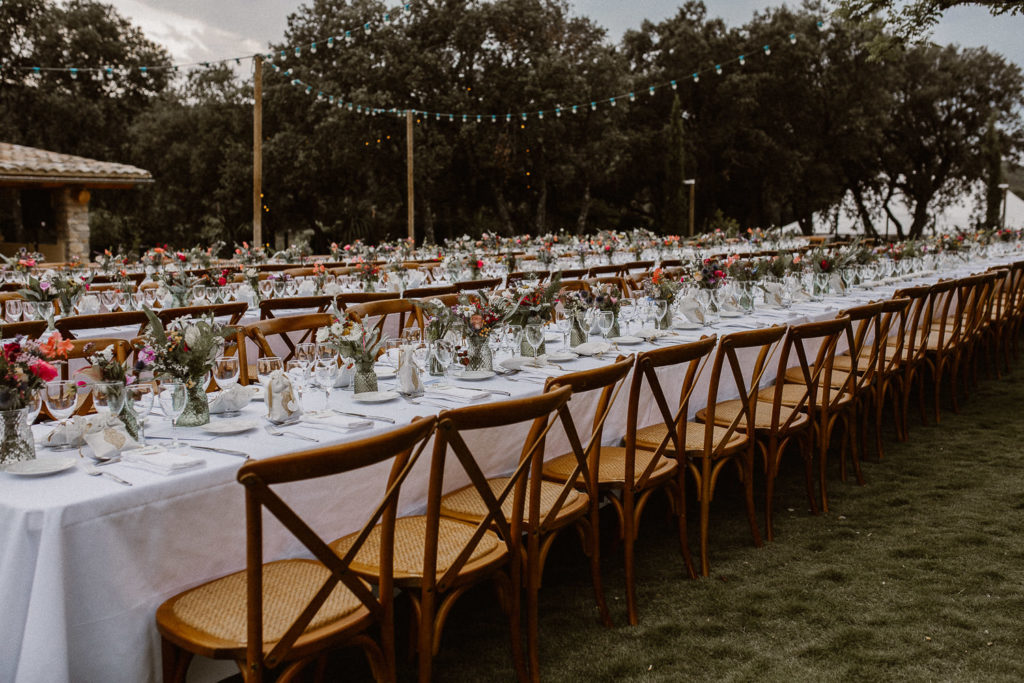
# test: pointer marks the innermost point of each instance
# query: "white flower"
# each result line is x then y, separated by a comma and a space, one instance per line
192, 335
322, 335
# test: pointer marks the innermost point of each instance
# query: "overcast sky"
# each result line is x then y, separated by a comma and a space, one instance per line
200, 30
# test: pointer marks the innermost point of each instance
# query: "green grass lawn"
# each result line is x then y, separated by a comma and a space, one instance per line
916, 576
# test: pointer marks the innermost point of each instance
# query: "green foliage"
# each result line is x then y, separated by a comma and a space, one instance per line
993, 175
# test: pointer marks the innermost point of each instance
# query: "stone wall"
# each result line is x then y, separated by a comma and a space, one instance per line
72, 221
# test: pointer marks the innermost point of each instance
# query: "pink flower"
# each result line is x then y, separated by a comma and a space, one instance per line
43, 370
44, 286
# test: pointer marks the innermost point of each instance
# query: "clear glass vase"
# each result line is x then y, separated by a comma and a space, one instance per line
365, 379
197, 407
131, 420
577, 331
479, 354
16, 442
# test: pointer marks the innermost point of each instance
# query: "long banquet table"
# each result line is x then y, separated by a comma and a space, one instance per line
84, 561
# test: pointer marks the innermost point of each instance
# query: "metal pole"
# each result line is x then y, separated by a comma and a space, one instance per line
257, 152
692, 182
409, 173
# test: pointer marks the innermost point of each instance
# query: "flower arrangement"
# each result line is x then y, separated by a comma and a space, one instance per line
221, 277
185, 350
607, 297
474, 317
297, 252
352, 340
177, 283
710, 274
154, 257
367, 274
25, 368
576, 300
476, 264
661, 286
527, 303
740, 270
437, 319
204, 257
250, 255
65, 288
109, 261
23, 260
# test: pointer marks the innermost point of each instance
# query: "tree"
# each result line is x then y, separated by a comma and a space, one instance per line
993, 175
676, 216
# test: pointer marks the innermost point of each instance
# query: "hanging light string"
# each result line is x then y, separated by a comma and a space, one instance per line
342, 38
452, 117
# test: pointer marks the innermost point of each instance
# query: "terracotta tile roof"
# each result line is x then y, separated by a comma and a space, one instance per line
31, 165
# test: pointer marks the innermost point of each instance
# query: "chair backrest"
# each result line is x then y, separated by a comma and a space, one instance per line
817, 397
281, 330
33, 329
390, 316
83, 348
893, 326
343, 301
448, 300
72, 324
570, 285
451, 427
403, 445
917, 322
608, 379
269, 308
945, 314
869, 340
483, 284
598, 271
689, 359
540, 275
625, 285
427, 292
573, 273
639, 266
978, 307
229, 313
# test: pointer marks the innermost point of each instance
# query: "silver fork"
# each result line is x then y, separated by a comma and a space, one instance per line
92, 471
425, 402
280, 432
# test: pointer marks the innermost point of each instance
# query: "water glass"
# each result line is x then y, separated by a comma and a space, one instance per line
108, 398
61, 398
173, 397
140, 397
267, 366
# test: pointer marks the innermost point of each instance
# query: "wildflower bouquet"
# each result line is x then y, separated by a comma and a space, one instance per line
710, 274
250, 255
437, 319
527, 303
474, 317
186, 349
661, 286
367, 273
25, 368
352, 340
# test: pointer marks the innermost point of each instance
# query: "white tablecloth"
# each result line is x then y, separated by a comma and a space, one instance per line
84, 561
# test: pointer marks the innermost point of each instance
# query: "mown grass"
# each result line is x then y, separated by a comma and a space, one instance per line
916, 576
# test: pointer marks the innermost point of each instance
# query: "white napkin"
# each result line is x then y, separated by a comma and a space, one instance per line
329, 418
307, 288
245, 293
332, 289
89, 305
161, 461
409, 381
730, 302
110, 440
459, 394
691, 310
837, 283
77, 427
592, 348
231, 400
346, 373
282, 399
773, 290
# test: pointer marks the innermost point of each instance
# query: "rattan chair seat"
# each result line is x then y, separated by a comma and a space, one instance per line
468, 505
410, 539
215, 612
611, 468
792, 394
651, 437
838, 379
726, 412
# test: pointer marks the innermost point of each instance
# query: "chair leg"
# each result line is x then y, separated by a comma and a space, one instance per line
705, 518
175, 662
628, 539
593, 540
533, 570
748, 491
772, 456
682, 519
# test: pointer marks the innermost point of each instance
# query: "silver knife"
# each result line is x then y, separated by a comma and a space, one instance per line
180, 438
379, 418
489, 391
226, 451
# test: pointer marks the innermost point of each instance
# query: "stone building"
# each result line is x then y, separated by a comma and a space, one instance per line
44, 199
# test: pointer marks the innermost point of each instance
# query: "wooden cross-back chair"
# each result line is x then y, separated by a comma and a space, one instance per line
276, 307
343, 301
640, 266
1007, 304
825, 404
602, 271
628, 476
573, 273
977, 323
942, 337
265, 333
448, 300
886, 366
389, 317
912, 360
483, 285
71, 326
83, 348
540, 275
297, 609
709, 445
229, 313
625, 285
427, 292
33, 329
438, 558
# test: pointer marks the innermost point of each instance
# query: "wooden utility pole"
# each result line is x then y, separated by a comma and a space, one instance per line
692, 182
408, 172
257, 152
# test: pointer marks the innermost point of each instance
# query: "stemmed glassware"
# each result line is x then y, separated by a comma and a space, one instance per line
660, 310
326, 371
444, 352
267, 366
12, 310
534, 335
108, 398
298, 372
563, 322
140, 397
605, 322
513, 339
627, 311
173, 398
61, 400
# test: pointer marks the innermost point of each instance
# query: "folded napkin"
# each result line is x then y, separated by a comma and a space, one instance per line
282, 399
691, 310
110, 440
329, 418
458, 394
161, 461
307, 288
836, 282
730, 302
773, 293
409, 381
332, 289
345, 373
592, 348
245, 293
650, 333
231, 400
89, 305
75, 429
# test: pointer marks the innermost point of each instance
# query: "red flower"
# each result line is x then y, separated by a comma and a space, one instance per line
824, 264
222, 281
181, 256
43, 370
719, 274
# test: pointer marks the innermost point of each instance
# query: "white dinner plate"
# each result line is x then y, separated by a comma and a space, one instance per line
686, 325
384, 373
517, 362
553, 337
562, 356
38, 467
235, 425
592, 348
731, 314
626, 341
375, 396
258, 392
475, 375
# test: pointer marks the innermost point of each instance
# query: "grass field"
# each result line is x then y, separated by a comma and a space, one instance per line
919, 575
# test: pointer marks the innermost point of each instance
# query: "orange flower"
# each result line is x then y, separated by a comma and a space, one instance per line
56, 346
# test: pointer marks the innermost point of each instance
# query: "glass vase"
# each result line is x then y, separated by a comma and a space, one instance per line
365, 379
577, 332
197, 407
130, 420
526, 350
479, 354
16, 442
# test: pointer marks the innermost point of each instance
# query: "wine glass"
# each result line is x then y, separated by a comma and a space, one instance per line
660, 311
306, 353
61, 400
226, 371
627, 311
266, 288
12, 310
110, 299
280, 288
267, 366
563, 322
326, 371
108, 398
173, 397
298, 373
605, 322
140, 397
534, 335
444, 352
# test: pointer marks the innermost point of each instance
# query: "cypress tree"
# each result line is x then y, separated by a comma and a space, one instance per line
675, 214
993, 176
